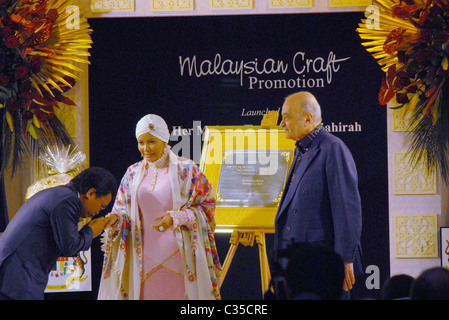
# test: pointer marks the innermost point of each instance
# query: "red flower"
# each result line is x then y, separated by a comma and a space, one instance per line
407, 11
22, 72
13, 105
441, 37
425, 56
8, 31
403, 78
426, 34
25, 86
52, 14
27, 115
36, 63
3, 79
12, 42
401, 98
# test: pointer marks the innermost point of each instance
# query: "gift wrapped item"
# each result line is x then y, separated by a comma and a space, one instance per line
63, 164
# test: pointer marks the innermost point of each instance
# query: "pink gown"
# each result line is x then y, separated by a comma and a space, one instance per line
162, 262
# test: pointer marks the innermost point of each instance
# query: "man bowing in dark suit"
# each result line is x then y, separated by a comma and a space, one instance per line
46, 227
321, 202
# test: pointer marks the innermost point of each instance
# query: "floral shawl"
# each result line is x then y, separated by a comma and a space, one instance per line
122, 267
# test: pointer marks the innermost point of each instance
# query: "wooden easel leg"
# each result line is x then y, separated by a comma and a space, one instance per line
234, 241
247, 239
264, 265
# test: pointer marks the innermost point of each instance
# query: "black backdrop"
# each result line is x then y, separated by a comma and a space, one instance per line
135, 70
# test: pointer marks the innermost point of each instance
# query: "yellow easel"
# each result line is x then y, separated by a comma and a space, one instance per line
246, 224
246, 237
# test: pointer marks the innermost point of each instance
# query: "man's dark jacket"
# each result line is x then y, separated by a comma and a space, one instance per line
322, 204
43, 229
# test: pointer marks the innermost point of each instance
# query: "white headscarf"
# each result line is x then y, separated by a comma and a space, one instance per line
154, 125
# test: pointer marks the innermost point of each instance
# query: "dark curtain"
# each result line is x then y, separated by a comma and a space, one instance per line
144, 77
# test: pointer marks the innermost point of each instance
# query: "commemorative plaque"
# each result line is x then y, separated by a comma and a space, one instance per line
247, 167
245, 182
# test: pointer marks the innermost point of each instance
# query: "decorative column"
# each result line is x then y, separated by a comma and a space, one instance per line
417, 206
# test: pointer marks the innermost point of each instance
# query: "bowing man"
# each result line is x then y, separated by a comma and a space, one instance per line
46, 227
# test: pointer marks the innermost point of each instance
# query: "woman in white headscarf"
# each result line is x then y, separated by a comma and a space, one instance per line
162, 245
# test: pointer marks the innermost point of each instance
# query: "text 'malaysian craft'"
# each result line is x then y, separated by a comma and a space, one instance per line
257, 74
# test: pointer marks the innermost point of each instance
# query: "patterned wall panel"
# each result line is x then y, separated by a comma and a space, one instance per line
112, 5
416, 236
349, 3
408, 180
291, 3
231, 4
172, 5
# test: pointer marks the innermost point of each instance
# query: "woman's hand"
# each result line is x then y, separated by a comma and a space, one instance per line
165, 222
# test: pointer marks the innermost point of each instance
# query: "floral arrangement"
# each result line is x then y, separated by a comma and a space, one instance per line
412, 46
41, 43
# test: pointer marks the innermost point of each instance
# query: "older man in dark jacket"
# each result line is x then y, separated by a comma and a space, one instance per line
321, 202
